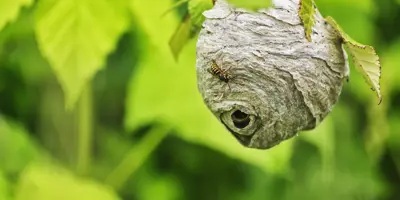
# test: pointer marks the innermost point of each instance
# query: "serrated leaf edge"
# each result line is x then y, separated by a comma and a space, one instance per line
351, 43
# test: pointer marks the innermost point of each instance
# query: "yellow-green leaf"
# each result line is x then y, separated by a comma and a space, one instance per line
9, 10
17, 149
367, 63
49, 182
196, 9
76, 37
148, 17
189, 25
364, 57
251, 4
181, 36
307, 16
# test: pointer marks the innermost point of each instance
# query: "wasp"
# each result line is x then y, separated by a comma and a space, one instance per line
221, 74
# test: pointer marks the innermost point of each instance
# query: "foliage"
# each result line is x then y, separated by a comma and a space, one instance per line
196, 9
15, 143
10, 9
307, 16
181, 36
365, 58
137, 128
86, 31
190, 24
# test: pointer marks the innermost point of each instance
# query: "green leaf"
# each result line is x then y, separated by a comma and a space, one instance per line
364, 57
147, 15
307, 16
166, 91
190, 25
136, 156
196, 9
181, 36
48, 182
19, 29
16, 148
9, 10
76, 37
251, 4
361, 27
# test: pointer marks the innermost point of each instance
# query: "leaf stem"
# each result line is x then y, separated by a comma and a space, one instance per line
85, 117
136, 156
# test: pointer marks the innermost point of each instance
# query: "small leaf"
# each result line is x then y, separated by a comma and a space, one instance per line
364, 57
251, 4
9, 10
76, 37
136, 156
196, 9
181, 36
48, 182
367, 63
189, 26
307, 16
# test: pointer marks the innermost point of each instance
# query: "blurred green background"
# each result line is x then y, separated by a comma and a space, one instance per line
94, 106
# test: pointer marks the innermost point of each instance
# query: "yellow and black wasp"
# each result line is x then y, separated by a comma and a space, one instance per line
221, 74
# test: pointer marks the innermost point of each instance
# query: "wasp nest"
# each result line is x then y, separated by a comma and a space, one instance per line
262, 78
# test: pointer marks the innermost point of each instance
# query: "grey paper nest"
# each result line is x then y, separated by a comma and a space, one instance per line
281, 83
